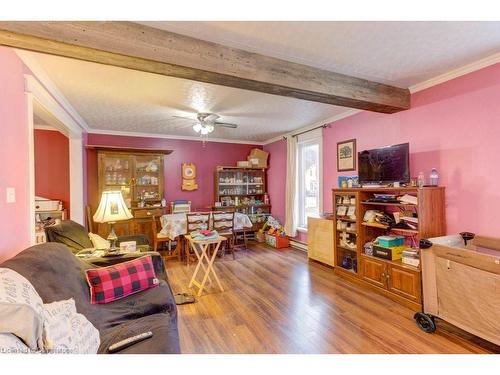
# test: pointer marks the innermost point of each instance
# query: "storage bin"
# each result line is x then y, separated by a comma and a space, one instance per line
276, 241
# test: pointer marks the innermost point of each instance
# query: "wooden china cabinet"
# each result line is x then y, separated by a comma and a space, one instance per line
139, 175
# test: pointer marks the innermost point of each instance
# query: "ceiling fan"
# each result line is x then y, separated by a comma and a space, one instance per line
205, 123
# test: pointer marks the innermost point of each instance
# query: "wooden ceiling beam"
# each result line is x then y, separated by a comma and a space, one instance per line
139, 47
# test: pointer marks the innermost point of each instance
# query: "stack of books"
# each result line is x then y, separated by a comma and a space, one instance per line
411, 256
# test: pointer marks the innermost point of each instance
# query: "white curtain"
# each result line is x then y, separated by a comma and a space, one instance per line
291, 187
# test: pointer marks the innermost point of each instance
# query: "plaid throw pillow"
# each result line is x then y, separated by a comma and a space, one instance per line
120, 280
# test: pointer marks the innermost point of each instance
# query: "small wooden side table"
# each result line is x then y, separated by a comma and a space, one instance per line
200, 248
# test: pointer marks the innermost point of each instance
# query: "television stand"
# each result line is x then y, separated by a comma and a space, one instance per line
375, 186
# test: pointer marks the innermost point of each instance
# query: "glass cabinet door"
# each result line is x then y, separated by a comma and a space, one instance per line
148, 178
116, 174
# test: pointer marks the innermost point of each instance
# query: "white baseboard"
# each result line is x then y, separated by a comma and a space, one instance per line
298, 245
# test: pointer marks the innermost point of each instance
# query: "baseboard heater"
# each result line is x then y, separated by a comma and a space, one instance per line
301, 245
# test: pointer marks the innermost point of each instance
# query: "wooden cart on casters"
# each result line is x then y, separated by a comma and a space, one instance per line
461, 284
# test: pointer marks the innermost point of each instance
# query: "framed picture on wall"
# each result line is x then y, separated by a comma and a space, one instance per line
346, 155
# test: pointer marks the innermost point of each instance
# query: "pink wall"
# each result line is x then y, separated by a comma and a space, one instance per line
205, 159
14, 165
452, 127
52, 166
276, 176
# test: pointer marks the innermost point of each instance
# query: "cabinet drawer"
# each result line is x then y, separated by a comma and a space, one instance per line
140, 214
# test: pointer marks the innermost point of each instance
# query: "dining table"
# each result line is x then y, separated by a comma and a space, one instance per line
174, 225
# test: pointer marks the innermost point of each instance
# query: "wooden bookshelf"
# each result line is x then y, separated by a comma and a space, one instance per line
393, 278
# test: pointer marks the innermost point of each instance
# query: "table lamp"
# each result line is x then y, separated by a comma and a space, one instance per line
112, 208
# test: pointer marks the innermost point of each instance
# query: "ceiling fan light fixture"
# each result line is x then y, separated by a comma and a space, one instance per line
204, 130
197, 127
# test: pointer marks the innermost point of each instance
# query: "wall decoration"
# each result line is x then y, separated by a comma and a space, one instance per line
189, 177
346, 155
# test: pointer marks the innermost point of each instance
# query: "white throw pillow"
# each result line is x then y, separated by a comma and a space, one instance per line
21, 309
11, 344
98, 242
67, 332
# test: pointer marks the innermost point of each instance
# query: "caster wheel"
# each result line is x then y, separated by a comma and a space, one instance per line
425, 322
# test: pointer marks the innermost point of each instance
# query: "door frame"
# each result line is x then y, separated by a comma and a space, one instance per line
36, 94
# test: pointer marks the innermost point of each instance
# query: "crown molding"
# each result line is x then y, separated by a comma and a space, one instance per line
174, 137
326, 121
42, 76
463, 70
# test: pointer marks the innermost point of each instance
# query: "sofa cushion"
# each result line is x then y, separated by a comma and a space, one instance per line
72, 234
98, 242
110, 283
65, 331
164, 340
21, 308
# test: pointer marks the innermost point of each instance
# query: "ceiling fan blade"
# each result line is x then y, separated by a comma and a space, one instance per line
210, 117
225, 125
185, 118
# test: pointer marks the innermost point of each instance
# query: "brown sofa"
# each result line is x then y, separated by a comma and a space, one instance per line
58, 275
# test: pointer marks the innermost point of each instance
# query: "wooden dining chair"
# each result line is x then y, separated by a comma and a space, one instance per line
195, 221
223, 223
160, 239
180, 206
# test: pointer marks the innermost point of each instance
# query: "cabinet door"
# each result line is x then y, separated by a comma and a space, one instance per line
404, 282
115, 173
320, 240
373, 271
148, 178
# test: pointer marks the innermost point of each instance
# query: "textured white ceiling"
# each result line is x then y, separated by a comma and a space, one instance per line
398, 53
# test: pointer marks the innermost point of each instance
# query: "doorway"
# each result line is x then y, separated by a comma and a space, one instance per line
66, 184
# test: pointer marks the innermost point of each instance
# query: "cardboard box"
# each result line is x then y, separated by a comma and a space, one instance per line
390, 241
390, 253
243, 164
258, 158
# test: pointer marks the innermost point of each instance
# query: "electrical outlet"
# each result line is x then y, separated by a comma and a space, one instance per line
11, 195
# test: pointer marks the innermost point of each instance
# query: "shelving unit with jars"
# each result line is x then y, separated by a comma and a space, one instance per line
242, 190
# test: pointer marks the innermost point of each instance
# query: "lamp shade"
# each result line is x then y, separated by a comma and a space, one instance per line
112, 208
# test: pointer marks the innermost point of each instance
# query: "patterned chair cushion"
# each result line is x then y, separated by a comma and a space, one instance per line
110, 283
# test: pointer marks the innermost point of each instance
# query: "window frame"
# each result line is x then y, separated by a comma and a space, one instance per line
306, 140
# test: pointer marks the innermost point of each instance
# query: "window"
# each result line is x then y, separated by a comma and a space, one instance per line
309, 178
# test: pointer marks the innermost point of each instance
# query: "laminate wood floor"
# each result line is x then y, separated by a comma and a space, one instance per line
275, 301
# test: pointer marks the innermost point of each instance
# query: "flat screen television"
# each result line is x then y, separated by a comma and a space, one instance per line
384, 165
